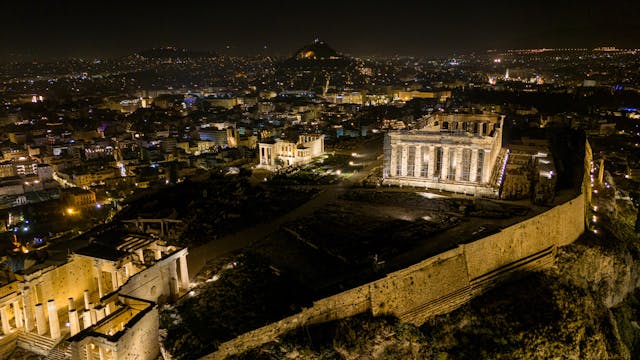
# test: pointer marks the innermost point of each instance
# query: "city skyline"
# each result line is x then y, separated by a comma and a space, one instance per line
402, 180
42, 30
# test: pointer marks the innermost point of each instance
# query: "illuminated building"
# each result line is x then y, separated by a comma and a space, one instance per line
99, 303
280, 153
82, 176
345, 98
78, 198
453, 152
440, 96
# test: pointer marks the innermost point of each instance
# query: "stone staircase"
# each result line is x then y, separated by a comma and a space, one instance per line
39, 344
52, 349
60, 352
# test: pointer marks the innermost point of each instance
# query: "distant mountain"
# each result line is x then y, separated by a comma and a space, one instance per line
318, 50
174, 53
317, 67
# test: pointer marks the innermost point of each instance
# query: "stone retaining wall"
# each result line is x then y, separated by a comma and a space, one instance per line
441, 283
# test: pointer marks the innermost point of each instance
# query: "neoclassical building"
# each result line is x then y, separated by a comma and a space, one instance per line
98, 303
281, 153
452, 152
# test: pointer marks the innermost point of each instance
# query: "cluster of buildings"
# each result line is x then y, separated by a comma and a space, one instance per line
101, 302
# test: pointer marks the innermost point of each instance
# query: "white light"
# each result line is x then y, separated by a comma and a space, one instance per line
338, 172
431, 195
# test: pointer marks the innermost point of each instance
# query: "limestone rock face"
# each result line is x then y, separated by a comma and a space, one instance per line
610, 275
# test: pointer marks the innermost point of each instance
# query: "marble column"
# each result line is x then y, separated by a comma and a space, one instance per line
417, 162
86, 319
392, 161
486, 170
26, 305
405, 150
4, 317
474, 165
54, 324
458, 176
102, 353
74, 322
444, 170
184, 273
41, 322
17, 313
432, 162
92, 313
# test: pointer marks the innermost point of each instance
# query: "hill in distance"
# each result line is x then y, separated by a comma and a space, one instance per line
318, 50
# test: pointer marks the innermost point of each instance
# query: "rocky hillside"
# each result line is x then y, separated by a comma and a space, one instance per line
586, 307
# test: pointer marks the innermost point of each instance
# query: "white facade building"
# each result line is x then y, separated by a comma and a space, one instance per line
282, 153
452, 152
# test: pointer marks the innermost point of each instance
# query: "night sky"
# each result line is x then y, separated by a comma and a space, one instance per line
426, 28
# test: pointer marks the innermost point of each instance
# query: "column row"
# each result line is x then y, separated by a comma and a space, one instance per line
440, 162
6, 317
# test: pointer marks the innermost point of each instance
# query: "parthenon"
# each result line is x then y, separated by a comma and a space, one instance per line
452, 152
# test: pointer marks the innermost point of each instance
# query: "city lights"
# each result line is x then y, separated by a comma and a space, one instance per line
208, 202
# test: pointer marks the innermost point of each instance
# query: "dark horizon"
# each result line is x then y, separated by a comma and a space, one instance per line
84, 29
